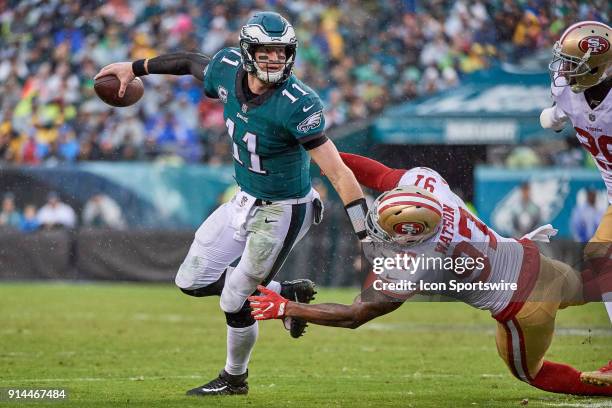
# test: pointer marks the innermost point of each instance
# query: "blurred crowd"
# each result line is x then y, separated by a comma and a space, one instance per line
100, 211
361, 56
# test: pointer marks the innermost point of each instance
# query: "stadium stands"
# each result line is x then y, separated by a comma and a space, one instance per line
360, 56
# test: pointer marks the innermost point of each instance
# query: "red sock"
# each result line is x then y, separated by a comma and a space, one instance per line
563, 379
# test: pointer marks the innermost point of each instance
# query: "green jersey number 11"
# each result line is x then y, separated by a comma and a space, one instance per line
251, 142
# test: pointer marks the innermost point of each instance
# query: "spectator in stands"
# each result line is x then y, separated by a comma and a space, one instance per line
526, 216
527, 34
9, 216
56, 214
29, 222
586, 217
360, 57
523, 157
101, 211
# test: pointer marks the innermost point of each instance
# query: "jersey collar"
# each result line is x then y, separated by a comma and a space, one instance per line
257, 101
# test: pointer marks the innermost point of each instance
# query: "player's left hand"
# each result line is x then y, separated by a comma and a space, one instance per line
269, 305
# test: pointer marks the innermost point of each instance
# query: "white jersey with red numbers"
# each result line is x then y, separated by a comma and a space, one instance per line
593, 127
462, 235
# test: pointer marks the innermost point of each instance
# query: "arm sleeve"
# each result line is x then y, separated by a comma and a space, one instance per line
179, 63
216, 72
371, 173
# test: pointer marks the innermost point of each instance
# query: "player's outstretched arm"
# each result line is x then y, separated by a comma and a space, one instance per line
178, 63
271, 305
342, 178
372, 173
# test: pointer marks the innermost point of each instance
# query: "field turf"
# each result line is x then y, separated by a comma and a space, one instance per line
145, 345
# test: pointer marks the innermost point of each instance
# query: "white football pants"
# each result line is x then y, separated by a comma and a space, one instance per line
261, 236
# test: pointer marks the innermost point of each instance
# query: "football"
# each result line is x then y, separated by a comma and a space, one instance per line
107, 88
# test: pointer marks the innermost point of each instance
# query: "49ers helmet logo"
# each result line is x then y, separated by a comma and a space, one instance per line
597, 44
409, 228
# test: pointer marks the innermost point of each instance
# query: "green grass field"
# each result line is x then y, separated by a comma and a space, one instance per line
145, 345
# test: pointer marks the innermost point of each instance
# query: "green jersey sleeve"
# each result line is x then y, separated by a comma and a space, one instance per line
213, 73
307, 123
210, 88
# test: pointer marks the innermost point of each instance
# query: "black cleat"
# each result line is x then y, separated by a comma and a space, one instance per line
224, 384
302, 291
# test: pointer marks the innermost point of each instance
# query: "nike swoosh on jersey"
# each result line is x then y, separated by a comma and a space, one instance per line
305, 109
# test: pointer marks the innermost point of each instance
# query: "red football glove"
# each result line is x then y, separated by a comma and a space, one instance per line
270, 305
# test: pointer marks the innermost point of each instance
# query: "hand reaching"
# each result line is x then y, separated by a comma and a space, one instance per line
269, 305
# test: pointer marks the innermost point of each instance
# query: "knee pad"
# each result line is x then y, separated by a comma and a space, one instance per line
241, 318
214, 289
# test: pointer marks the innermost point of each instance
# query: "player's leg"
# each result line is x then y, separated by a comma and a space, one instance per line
523, 340
598, 254
213, 249
203, 273
272, 232
297, 290
522, 343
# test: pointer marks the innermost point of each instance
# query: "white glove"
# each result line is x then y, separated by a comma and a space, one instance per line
541, 234
548, 119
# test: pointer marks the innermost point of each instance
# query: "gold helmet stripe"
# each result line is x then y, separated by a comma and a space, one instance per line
413, 195
578, 25
415, 203
415, 199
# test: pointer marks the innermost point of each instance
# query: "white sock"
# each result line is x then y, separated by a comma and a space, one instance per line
240, 343
607, 298
274, 286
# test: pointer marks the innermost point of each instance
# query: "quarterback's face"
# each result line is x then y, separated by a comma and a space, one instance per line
271, 58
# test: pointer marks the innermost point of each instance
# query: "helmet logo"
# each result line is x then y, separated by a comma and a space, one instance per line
409, 228
595, 43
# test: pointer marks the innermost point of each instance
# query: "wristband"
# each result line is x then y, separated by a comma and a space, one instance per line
357, 211
138, 68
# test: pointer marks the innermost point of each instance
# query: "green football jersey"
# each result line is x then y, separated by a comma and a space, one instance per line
271, 132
